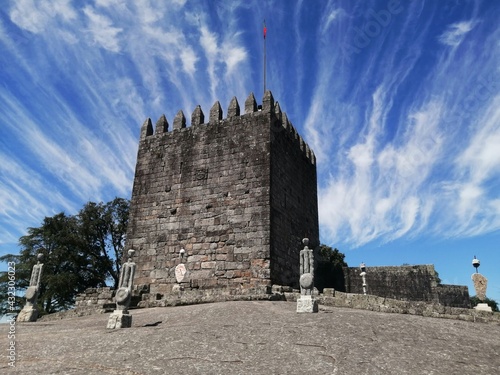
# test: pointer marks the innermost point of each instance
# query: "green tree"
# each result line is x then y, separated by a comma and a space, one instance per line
103, 226
80, 252
333, 256
474, 301
69, 268
329, 270
20, 272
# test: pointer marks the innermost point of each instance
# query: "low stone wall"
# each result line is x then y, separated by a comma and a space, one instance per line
453, 295
331, 297
413, 283
409, 283
96, 298
190, 296
91, 303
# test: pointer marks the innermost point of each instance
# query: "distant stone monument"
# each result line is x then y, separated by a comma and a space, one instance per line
480, 284
29, 313
306, 303
362, 267
120, 318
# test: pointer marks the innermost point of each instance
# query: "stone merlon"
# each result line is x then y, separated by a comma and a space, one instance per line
269, 107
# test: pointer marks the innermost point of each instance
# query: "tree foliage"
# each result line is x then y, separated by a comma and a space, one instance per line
329, 271
103, 228
5, 284
80, 252
474, 301
332, 256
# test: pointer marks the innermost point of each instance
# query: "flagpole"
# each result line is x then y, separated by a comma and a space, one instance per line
265, 32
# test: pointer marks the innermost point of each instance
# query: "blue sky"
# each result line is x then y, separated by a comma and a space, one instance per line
400, 101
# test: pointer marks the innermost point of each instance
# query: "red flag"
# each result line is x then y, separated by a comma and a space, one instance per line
265, 29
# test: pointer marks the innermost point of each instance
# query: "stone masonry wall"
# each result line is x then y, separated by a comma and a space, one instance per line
413, 283
410, 283
96, 298
294, 202
453, 295
210, 188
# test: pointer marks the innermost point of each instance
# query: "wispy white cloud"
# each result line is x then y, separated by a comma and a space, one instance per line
455, 33
102, 30
472, 196
35, 16
397, 167
188, 58
68, 161
208, 41
18, 204
481, 159
108, 3
234, 55
377, 193
330, 15
85, 160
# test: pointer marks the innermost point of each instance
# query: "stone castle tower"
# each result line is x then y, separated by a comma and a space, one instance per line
237, 194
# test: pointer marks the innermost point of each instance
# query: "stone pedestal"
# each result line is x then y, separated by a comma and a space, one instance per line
27, 314
307, 304
119, 319
483, 307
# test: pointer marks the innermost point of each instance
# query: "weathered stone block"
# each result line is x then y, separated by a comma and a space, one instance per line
119, 320
27, 314
205, 265
307, 304
329, 292
483, 307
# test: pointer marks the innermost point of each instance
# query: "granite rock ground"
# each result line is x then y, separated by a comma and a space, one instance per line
255, 337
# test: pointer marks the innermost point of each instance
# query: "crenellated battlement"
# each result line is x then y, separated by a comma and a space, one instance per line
280, 124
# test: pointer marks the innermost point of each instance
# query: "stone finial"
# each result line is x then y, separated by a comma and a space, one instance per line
268, 102
179, 120
250, 104
215, 113
197, 118
131, 253
161, 125
476, 263
146, 128
234, 108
